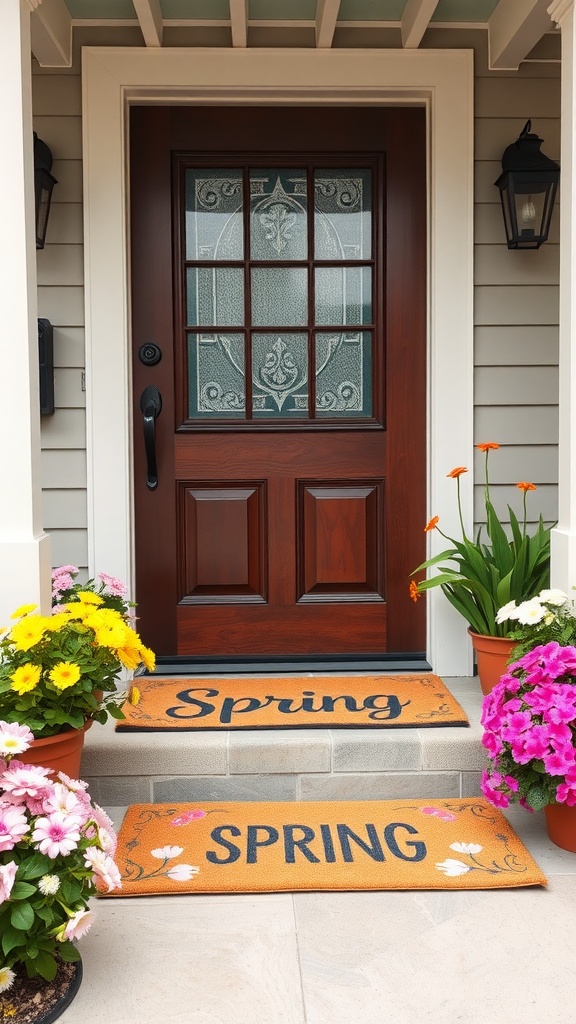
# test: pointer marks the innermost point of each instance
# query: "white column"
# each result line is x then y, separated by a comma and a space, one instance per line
24, 547
564, 536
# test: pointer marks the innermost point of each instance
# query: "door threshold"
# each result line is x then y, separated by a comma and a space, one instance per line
184, 666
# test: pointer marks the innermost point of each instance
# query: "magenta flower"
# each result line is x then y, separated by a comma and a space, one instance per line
188, 816
57, 835
560, 762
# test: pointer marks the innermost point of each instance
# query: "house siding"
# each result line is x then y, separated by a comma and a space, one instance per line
516, 301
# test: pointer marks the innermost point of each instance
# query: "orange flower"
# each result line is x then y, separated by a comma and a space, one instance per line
523, 486
431, 524
414, 592
487, 446
454, 473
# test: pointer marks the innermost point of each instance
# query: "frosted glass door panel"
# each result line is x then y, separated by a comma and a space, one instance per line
343, 373
215, 296
280, 375
278, 215
343, 295
214, 214
279, 296
343, 214
216, 370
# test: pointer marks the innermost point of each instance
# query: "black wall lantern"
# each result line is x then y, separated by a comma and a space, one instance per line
43, 184
527, 186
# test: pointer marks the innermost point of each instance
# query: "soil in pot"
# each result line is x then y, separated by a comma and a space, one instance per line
36, 1001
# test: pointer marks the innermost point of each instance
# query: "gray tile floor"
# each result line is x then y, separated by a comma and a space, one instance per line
495, 957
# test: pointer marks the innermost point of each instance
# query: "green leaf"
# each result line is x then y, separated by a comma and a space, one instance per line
22, 917
12, 938
36, 866
46, 965
68, 952
22, 890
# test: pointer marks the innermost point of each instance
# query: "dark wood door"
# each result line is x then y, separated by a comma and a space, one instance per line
278, 264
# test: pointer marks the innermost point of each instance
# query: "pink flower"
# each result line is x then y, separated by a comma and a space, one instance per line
188, 816
13, 825
78, 925
63, 799
14, 738
536, 742
56, 835
106, 832
22, 780
566, 794
7, 876
113, 585
516, 723
492, 743
103, 867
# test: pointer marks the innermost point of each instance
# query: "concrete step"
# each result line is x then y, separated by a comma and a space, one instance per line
289, 764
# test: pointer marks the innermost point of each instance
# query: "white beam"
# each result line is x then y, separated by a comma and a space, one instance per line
514, 29
239, 22
51, 34
326, 18
150, 18
415, 21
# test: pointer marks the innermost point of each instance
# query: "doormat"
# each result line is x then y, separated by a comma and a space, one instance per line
337, 846
294, 703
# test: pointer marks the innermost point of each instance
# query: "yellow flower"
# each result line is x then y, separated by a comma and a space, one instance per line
129, 656
134, 696
55, 622
113, 635
28, 632
23, 610
99, 618
88, 597
65, 674
148, 657
25, 678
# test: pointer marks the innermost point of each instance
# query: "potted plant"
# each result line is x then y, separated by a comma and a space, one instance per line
548, 616
529, 722
61, 672
56, 852
483, 575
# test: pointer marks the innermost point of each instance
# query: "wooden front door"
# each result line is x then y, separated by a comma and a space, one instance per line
278, 268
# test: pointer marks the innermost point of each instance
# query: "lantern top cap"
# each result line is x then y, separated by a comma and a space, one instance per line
524, 154
42, 155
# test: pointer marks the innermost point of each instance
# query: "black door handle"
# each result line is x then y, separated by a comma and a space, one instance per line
151, 406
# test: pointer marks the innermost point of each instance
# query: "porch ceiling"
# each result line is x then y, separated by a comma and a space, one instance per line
515, 28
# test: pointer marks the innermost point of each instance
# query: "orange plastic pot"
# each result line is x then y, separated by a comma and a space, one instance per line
561, 826
492, 654
60, 753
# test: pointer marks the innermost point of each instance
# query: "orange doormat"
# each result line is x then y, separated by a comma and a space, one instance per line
339, 846
268, 703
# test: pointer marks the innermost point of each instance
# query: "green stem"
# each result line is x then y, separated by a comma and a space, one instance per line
460, 510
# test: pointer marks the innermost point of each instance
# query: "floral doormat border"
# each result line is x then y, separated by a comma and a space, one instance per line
328, 845
293, 702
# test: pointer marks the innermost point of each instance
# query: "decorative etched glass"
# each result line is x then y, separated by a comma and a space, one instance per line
280, 375
343, 295
279, 296
278, 215
214, 214
344, 374
343, 214
215, 296
216, 373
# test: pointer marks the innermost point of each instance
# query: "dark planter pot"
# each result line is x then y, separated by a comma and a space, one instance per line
47, 999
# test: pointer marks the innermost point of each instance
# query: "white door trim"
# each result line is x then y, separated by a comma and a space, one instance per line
442, 80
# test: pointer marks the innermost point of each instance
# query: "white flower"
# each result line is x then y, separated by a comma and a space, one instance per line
103, 867
452, 868
465, 847
6, 978
557, 598
77, 926
182, 872
49, 884
507, 611
14, 738
531, 612
167, 852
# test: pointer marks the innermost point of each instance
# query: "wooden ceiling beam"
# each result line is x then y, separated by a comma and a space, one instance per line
150, 17
239, 22
415, 21
326, 18
51, 34
514, 29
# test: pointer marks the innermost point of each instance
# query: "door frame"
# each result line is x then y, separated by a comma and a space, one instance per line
439, 80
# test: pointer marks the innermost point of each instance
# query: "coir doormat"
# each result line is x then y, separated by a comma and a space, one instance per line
268, 703
339, 846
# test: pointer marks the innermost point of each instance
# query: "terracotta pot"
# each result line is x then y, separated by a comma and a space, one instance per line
61, 753
492, 654
561, 826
